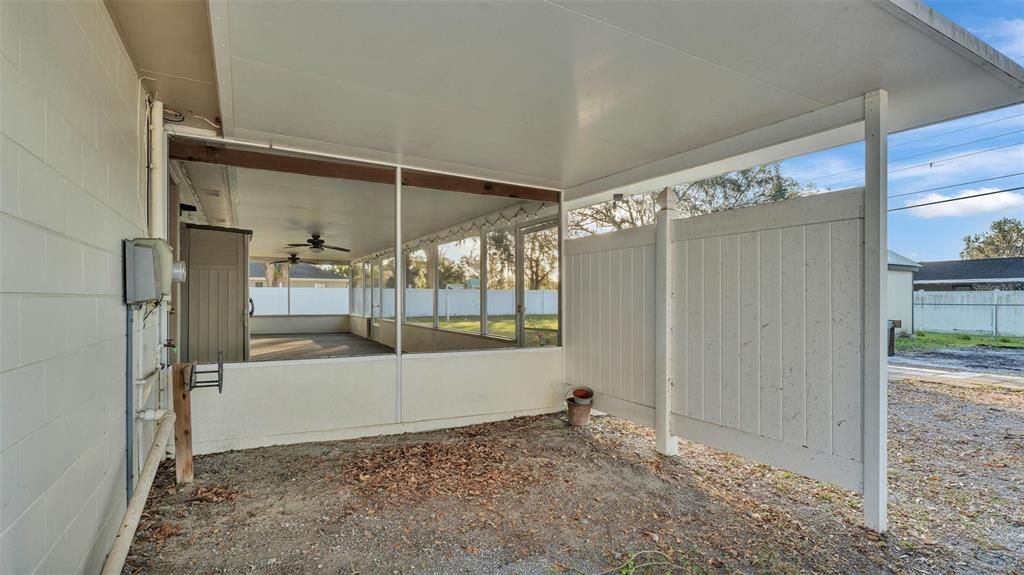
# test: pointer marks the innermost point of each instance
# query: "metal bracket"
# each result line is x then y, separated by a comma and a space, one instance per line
203, 378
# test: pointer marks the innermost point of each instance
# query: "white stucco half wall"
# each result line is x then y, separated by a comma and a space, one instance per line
286, 402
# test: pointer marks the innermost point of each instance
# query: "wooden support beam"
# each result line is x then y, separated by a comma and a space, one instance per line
204, 154
181, 373
187, 151
452, 183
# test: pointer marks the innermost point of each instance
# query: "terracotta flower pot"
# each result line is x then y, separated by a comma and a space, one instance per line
579, 413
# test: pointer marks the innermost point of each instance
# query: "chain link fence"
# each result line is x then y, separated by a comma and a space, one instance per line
995, 313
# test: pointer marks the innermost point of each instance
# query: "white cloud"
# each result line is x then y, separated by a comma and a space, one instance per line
1005, 35
969, 207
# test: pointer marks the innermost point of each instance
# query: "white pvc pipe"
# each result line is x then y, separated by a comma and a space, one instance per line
157, 173
126, 533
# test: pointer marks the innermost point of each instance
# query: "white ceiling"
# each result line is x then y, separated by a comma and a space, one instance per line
562, 93
282, 208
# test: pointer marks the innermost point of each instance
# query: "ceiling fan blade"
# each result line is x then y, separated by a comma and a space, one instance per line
280, 262
297, 245
337, 248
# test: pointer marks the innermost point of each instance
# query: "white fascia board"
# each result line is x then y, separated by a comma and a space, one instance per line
821, 129
927, 20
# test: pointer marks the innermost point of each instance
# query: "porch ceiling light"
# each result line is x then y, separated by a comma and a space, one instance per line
316, 249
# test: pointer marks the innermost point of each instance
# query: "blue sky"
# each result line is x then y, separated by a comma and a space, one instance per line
980, 147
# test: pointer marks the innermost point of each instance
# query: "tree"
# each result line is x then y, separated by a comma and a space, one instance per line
1004, 239
501, 260
540, 259
757, 185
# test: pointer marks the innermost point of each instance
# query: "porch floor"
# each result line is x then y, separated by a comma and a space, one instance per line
532, 495
271, 347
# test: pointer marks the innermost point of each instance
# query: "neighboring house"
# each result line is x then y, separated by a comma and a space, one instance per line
971, 275
300, 275
901, 290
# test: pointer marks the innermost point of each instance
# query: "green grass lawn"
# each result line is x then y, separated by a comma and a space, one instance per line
501, 326
930, 341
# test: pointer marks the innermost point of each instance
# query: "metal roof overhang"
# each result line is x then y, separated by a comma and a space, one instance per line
590, 97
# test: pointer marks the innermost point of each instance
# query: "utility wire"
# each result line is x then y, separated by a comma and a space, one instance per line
918, 155
965, 128
939, 161
955, 185
947, 200
939, 135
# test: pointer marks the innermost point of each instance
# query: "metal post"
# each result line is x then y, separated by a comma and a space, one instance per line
876, 487
483, 282
399, 283
665, 442
129, 399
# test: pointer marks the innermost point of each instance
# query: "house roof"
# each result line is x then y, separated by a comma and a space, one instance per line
971, 271
901, 262
297, 271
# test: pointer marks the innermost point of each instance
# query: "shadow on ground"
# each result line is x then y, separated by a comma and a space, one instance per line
533, 495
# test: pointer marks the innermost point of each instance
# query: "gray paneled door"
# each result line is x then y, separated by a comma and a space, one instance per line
216, 307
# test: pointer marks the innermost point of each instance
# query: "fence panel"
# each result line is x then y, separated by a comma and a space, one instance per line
996, 313
609, 327
768, 333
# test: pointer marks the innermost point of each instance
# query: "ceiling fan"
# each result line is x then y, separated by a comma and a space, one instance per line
292, 259
295, 259
317, 245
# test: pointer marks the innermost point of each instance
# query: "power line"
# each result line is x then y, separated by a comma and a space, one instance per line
939, 161
932, 137
947, 200
965, 128
985, 139
956, 185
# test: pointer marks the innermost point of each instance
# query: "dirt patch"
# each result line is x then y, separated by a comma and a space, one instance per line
533, 495
982, 359
466, 467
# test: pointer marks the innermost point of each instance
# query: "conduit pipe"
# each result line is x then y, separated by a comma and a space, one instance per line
126, 533
157, 172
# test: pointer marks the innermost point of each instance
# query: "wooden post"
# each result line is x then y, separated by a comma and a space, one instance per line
665, 442
181, 373
876, 384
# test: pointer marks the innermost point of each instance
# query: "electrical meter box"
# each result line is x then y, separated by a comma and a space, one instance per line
148, 270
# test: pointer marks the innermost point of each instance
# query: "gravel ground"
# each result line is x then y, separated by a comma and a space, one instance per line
533, 495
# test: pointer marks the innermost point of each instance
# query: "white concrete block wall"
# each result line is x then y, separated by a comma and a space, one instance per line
70, 173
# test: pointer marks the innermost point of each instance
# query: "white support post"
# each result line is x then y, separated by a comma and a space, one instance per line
399, 293
665, 442
876, 386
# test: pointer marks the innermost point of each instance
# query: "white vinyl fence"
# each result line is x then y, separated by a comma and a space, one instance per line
996, 313
418, 302
766, 330
304, 301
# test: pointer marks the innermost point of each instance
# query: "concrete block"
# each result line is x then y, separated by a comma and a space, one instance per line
22, 256
40, 316
63, 146
10, 324
9, 196
23, 545
10, 44
22, 116
22, 403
